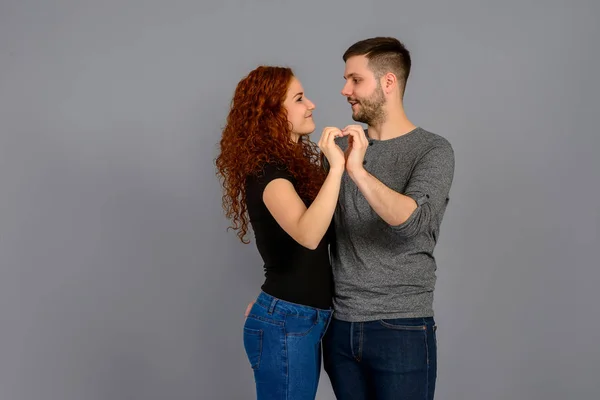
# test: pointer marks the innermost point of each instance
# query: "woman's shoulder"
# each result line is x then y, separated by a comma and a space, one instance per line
268, 171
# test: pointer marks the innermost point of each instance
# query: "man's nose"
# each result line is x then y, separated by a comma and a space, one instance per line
346, 90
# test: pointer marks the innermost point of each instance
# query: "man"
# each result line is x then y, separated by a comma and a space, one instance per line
381, 343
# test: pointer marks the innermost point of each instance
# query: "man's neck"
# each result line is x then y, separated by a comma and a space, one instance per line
396, 124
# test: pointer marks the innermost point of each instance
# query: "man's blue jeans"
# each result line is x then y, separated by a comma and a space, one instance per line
383, 360
283, 344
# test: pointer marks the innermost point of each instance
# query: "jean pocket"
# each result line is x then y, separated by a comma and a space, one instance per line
253, 340
299, 326
401, 325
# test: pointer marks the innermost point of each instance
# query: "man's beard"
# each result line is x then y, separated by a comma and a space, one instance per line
371, 110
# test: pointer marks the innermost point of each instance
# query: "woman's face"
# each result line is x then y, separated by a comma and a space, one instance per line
299, 110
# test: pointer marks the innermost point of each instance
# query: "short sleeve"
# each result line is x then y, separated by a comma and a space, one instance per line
257, 182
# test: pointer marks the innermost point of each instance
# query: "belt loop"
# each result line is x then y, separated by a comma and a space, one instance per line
272, 306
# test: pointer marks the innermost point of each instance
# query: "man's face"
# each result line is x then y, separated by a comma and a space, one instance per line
363, 92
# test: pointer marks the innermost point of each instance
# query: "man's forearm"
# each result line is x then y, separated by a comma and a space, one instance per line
393, 207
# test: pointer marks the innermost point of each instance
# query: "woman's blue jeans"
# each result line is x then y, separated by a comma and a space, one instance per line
283, 344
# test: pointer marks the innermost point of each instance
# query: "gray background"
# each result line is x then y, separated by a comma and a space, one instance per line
118, 279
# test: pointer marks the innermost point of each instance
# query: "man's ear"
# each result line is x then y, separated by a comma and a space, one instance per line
389, 82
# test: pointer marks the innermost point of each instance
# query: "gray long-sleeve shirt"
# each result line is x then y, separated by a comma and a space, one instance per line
383, 271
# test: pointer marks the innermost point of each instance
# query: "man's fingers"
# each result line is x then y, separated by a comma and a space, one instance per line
354, 126
357, 129
357, 136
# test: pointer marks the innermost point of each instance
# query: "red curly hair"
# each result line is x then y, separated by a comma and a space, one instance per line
257, 131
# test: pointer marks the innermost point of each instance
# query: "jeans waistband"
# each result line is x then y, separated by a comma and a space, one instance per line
273, 304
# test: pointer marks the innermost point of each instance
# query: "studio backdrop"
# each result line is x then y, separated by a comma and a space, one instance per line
118, 277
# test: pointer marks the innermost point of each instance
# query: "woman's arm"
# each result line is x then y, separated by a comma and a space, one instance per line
307, 226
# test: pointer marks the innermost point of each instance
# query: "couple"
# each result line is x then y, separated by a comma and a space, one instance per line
373, 201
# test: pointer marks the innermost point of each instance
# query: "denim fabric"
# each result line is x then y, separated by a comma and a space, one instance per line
283, 344
382, 360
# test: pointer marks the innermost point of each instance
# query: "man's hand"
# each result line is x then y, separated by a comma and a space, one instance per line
248, 309
357, 147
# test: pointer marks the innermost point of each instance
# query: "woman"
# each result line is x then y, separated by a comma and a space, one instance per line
272, 178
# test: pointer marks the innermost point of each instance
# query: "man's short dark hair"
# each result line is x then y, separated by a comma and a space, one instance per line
385, 54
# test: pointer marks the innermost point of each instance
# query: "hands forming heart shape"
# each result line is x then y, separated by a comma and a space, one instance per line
352, 159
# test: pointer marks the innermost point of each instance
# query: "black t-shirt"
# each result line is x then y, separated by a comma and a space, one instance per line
293, 272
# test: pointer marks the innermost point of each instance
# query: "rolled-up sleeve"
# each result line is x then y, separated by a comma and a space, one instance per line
429, 185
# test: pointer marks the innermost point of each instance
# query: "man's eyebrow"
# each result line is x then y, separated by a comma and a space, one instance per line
350, 75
